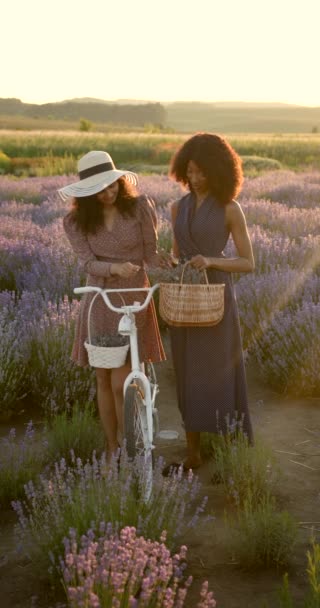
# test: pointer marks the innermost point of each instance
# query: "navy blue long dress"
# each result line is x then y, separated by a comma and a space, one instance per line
208, 361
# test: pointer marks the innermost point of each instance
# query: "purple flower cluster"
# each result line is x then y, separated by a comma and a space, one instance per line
125, 570
77, 494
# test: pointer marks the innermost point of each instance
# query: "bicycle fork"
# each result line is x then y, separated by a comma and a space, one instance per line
127, 327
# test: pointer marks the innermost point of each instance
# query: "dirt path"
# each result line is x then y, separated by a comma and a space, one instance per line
283, 423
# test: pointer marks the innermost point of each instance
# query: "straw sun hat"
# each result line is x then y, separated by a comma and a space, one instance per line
96, 171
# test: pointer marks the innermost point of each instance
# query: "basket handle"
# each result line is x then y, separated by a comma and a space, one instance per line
90, 308
183, 269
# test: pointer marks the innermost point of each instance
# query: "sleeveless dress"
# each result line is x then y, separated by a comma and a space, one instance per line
131, 239
208, 361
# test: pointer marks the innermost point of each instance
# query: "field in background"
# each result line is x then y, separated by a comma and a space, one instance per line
46, 152
186, 117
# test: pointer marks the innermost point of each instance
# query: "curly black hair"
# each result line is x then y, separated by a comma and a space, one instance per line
87, 211
217, 160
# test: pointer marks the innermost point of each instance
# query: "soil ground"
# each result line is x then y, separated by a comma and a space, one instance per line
287, 425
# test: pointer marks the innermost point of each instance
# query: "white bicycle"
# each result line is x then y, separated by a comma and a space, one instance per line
140, 416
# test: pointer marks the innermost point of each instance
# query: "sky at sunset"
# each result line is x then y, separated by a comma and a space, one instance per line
165, 50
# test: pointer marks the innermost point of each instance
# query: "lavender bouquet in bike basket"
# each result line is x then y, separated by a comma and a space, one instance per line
106, 351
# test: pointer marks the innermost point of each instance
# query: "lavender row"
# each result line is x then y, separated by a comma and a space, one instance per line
36, 337
36, 257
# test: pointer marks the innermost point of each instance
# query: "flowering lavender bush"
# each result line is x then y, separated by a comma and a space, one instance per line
34, 258
12, 365
288, 350
54, 380
282, 210
21, 459
125, 570
244, 470
77, 495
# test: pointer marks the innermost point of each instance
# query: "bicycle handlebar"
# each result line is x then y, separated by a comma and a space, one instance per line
127, 307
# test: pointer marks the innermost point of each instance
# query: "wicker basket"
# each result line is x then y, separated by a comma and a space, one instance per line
198, 305
107, 357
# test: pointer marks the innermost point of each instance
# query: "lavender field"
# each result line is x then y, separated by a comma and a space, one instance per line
279, 304
72, 514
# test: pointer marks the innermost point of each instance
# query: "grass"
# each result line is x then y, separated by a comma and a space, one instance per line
22, 459
261, 536
135, 149
244, 470
79, 431
312, 599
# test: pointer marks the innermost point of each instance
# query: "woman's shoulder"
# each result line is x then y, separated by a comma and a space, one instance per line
145, 206
177, 203
233, 211
145, 201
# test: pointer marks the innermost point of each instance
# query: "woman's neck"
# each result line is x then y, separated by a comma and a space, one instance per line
200, 197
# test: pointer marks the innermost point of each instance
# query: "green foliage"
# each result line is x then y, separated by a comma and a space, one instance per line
78, 430
5, 162
85, 125
244, 470
43, 166
146, 149
12, 367
312, 599
262, 536
256, 164
313, 571
21, 459
285, 598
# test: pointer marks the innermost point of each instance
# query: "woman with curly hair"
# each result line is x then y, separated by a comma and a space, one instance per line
113, 232
208, 361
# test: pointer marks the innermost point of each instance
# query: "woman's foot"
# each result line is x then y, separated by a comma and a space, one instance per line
186, 466
113, 452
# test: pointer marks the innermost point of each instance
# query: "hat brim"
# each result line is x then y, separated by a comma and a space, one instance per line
95, 184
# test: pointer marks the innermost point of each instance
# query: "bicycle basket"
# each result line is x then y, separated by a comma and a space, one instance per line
105, 356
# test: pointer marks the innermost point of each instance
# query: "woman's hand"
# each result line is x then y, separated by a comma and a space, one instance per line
165, 259
200, 262
125, 270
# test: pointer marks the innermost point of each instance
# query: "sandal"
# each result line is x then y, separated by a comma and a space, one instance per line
173, 467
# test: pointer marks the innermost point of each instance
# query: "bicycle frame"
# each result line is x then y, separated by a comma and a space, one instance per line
127, 327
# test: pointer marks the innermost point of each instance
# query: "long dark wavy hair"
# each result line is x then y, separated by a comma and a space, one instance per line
87, 211
217, 160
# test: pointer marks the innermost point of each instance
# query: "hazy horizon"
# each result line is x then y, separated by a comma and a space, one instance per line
166, 101
164, 51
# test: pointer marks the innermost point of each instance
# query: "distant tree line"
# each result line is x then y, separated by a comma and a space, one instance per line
130, 114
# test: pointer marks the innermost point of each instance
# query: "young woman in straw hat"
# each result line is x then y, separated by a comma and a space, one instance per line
113, 232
